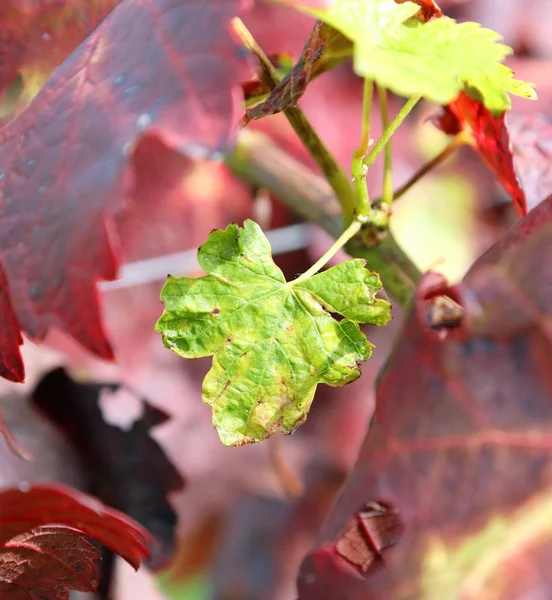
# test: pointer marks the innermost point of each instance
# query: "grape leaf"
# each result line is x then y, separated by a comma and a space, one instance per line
459, 444
11, 363
24, 509
325, 49
273, 341
490, 136
436, 59
42, 547
35, 37
45, 563
151, 66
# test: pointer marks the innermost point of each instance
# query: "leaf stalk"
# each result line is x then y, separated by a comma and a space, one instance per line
345, 237
390, 130
387, 192
358, 170
457, 141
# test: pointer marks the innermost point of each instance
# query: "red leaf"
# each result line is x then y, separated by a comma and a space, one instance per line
36, 36
460, 439
45, 563
21, 511
153, 66
43, 552
490, 137
11, 363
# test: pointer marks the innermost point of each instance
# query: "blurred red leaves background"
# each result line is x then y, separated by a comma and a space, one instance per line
240, 534
38, 560
58, 199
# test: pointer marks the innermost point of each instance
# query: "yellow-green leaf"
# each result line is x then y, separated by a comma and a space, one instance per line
436, 60
272, 341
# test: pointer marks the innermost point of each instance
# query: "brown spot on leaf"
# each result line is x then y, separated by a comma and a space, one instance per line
274, 427
440, 307
368, 535
215, 312
444, 313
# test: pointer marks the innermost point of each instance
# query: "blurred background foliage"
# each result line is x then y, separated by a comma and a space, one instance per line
248, 515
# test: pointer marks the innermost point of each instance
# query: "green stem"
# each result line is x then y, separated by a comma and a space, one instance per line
349, 233
366, 117
387, 192
389, 131
461, 139
258, 161
334, 174
358, 169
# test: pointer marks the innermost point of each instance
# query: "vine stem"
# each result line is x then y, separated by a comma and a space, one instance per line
358, 170
334, 174
349, 233
258, 161
366, 117
390, 130
387, 191
457, 141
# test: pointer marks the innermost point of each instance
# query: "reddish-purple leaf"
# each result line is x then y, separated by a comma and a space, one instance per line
460, 439
43, 552
489, 135
45, 563
11, 362
37, 35
325, 49
23, 510
165, 67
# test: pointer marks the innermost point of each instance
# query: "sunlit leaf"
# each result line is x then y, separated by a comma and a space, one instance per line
273, 341
436, 59
490, 136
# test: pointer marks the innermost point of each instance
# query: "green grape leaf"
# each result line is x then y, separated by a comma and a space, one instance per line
272, 341
437, 59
